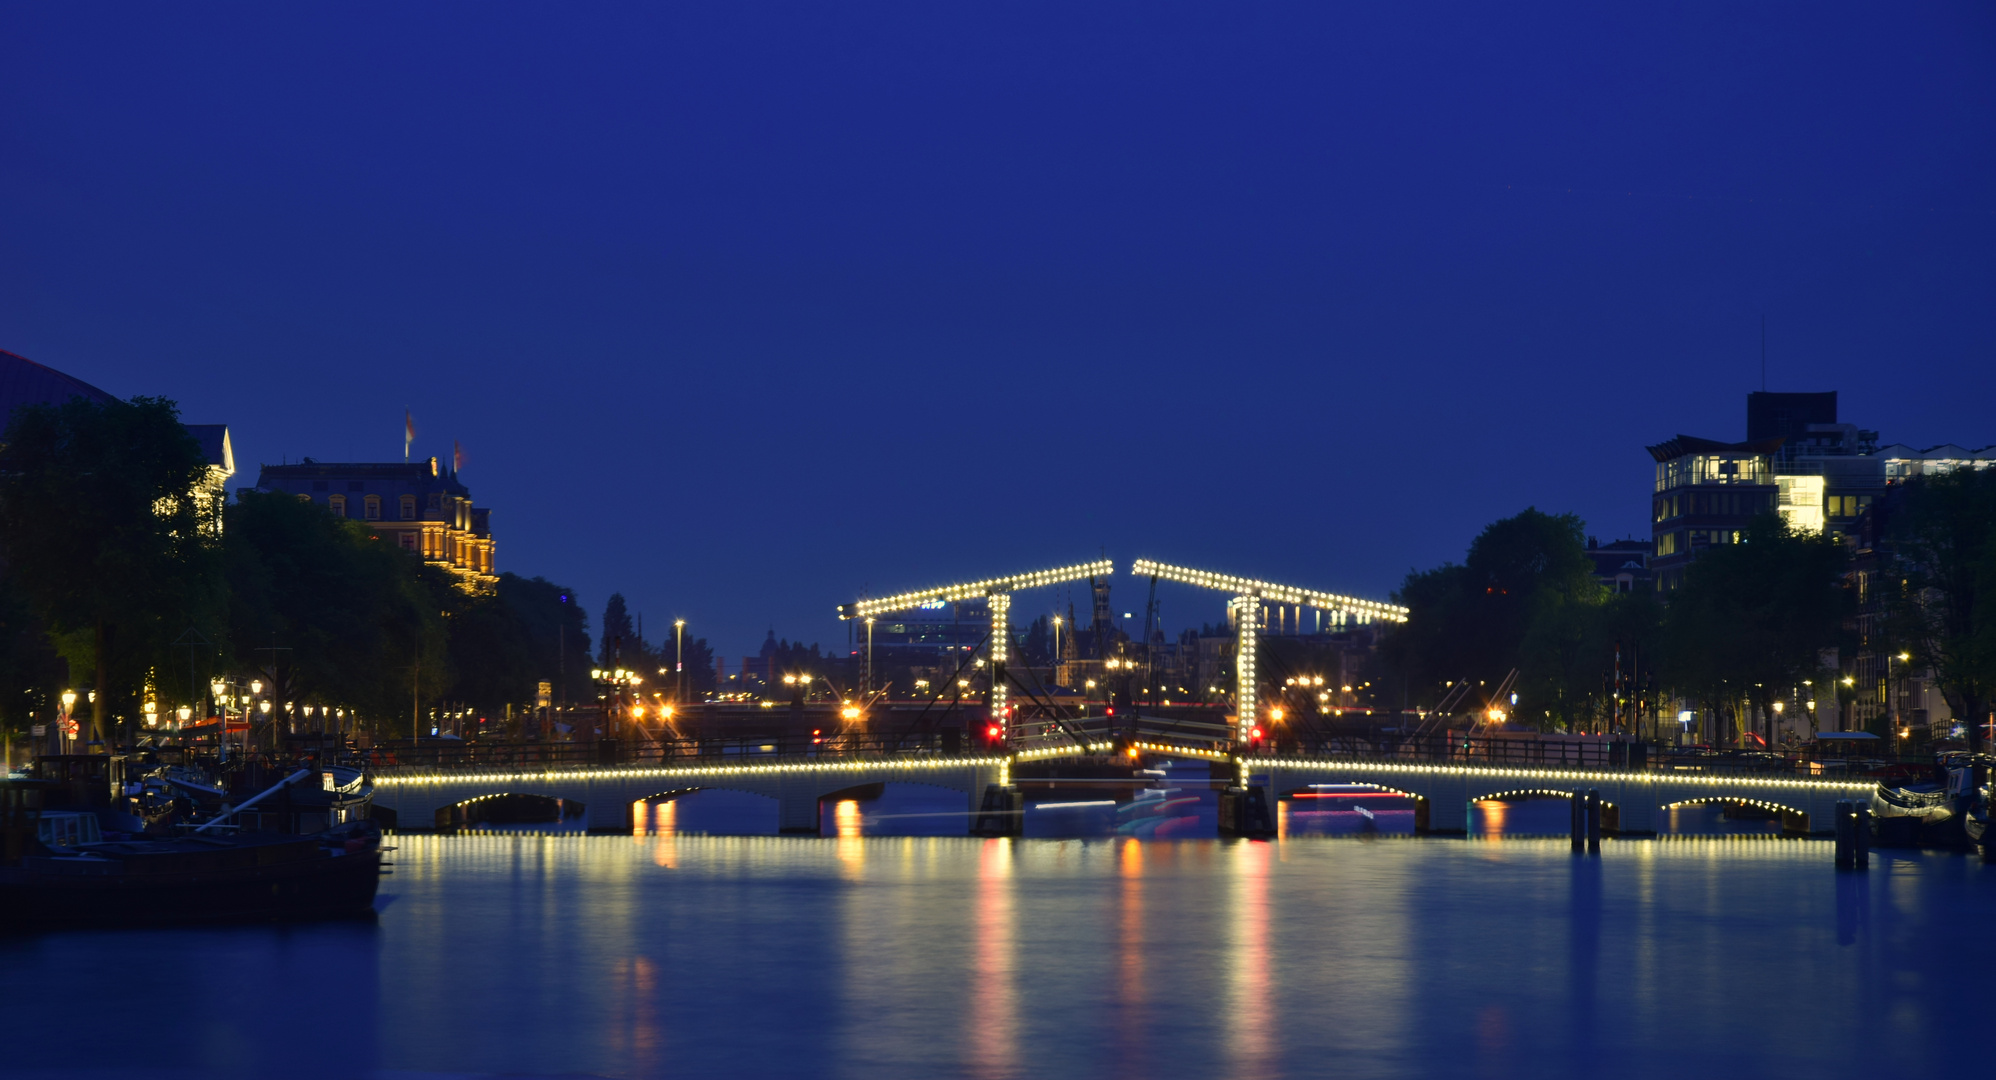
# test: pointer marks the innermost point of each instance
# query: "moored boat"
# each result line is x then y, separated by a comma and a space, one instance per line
207, 875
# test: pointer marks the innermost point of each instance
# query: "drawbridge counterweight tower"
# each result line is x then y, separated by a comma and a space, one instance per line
1248, 596
997, 594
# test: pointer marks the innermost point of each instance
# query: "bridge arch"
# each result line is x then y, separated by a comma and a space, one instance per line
1794, 819
507, 808
1540, 792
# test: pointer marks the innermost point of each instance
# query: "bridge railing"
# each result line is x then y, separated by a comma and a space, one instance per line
444, 754
1608, 756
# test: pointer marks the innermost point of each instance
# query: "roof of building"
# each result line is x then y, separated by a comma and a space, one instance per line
1943, 452
215, 446
24, 382
1682, 445
424, 474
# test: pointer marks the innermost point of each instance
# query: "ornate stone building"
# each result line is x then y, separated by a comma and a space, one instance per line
414, 505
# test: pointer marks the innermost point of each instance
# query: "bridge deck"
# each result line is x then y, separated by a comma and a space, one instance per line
1445, 789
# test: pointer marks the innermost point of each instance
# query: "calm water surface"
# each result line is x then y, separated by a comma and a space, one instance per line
906, 956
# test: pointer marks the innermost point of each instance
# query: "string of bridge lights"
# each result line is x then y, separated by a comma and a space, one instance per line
974, 590
1267, 590
1245, 607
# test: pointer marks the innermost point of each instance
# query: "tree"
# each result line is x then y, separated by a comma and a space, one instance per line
1508, 599
31, 673
555, 630
1753, 618
1942, 540
104, 523
618, 634
357, 623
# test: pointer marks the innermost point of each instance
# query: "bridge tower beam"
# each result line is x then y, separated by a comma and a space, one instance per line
1247, 643
998, 652
997, 592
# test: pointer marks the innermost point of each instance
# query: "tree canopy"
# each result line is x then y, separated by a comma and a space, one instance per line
1940, 579
108, 530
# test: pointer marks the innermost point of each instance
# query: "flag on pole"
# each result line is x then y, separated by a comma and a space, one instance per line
456, 456
408, 432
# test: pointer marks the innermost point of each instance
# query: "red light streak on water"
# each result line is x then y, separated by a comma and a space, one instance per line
994, 1026
639, 1032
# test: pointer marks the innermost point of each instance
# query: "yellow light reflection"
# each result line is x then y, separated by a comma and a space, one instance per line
1130, 985
665, 820
1494, 813
846, 824
1250, 1011
994, 1034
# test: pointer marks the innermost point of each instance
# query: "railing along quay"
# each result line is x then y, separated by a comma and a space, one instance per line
1467, 751
439, 755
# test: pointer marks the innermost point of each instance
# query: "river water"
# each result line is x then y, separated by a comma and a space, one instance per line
669, 953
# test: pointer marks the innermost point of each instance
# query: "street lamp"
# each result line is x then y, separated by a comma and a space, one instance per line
679, 661
1893, 695
1056, 647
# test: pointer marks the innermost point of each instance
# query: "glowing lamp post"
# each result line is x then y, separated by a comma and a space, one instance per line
65, 728
679, 661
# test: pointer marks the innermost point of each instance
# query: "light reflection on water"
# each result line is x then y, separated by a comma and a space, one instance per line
883, 957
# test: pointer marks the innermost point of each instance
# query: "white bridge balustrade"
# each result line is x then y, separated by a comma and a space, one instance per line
607, 792
1444, 792
1637, 797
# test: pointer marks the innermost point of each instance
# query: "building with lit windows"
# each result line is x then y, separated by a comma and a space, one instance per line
1827, 471
414, 505
1798, 460
1706, 492
1902, 462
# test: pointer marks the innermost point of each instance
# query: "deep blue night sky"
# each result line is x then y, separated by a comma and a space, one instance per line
742, 308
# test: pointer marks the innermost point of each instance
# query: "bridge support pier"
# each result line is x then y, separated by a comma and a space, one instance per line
1001, 812
798, 810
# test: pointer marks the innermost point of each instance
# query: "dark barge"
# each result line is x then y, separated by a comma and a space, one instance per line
198, 877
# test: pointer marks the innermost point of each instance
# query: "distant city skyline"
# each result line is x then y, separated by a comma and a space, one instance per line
744, 314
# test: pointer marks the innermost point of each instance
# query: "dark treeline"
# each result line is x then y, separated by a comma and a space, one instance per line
624, 645
1778, 617
125, 573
